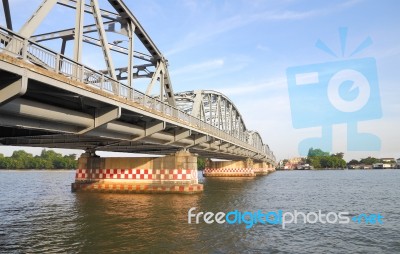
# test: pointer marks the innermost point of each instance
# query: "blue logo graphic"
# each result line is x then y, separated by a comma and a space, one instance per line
337, 92
368, 219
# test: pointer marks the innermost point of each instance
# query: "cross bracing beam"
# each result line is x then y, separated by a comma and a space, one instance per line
198, 139
78, 31
68, 34
179, 135
7, 14
103, 38
104, 13
224, 146
29, 27
119, 49
213, 145
123, 15
12, 87
161, 75
103, 116
151, 128
126, 14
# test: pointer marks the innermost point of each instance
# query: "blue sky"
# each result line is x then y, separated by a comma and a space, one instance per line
243, 48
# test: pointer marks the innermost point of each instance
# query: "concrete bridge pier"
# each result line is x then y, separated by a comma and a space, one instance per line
229, 169
245, 168
175, 173
263, 168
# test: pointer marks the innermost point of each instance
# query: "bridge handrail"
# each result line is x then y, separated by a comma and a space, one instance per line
26, 49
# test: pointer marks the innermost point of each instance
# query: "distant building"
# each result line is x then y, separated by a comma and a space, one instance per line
386, 163
365, 166
292, 163
296, 162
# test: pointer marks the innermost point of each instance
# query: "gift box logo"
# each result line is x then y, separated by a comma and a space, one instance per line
337, 92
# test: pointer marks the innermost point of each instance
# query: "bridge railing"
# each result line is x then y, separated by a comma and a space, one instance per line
20, 47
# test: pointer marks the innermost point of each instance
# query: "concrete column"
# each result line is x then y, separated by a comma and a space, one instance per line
262, 168
228, 168
175, 173
245, 168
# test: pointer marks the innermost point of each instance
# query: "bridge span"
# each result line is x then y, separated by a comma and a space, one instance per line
50, 99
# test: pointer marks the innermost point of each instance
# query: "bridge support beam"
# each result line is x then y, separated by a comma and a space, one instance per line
175, 173
12, 87
246, 168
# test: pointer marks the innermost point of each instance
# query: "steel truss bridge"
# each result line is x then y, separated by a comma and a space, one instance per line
49, 98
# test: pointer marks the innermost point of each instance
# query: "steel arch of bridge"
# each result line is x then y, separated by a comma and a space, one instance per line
219, 111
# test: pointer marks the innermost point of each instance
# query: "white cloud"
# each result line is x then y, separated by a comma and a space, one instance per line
199, 67
291, 15
213, 28
210, 72
207, 32
251, 88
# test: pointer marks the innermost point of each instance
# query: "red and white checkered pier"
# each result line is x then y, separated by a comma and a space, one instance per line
175, 173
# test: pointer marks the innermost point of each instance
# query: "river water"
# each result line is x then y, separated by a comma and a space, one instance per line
39, 214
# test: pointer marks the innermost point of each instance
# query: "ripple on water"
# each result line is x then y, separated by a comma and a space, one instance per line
40, 215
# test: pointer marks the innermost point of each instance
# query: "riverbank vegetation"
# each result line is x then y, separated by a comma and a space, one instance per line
48, 159
320, 159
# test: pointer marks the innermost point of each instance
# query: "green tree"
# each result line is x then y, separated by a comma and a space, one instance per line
338, 155
71, 156
6, 163
48, 159
320, 159
353, 162
370, 160
201, 163
316, 152
50, 154
71, 161
43, 163
21, 159
314, 161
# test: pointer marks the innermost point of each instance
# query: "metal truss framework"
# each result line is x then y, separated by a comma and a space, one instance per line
201, 107
122, 22
219, 111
